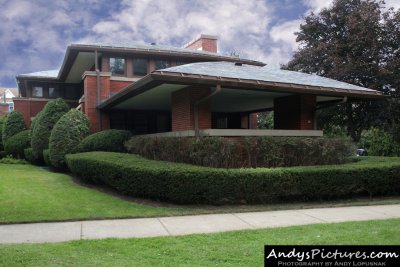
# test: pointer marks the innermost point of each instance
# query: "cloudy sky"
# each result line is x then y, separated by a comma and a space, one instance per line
34, 34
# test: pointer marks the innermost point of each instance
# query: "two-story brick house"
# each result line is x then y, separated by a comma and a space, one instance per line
149, 88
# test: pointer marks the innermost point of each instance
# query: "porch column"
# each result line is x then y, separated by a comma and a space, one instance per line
296, 112
182, 109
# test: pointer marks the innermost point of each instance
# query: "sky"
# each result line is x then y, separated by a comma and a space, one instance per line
34, 34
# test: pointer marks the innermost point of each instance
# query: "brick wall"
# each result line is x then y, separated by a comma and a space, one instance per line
29, 107
295, 112
3, 109
204, 42
182, 109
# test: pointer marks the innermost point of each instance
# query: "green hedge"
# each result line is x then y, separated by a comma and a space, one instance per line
66, 135
109, 140
188, 184
17, 143
44, 123
244, 151
46, 157
13, 124
29, 156
2, 119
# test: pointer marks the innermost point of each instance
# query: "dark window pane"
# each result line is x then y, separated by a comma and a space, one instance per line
71, 92
117, 66
54, 92
37, 91
162, 64
139, 66
178, 63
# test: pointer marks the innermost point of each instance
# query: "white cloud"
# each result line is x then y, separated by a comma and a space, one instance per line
238, 24
285, 33
317, 5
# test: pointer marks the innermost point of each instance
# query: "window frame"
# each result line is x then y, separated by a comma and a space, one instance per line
123, 68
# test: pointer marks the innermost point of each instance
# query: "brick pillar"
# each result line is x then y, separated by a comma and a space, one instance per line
182, 109
296, 112
253, 121
98, 120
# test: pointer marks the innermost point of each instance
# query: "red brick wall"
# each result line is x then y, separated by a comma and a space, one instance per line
3, 109
206, 44
182, 104
30, 107
117, 86
295, 112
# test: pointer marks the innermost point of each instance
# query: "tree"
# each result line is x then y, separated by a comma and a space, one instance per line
13, 124
66, 135
43, 125
356, 42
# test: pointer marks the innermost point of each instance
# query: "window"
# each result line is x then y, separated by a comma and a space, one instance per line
54, 92
162, 64
71, 92
37, 91
117, 66
139, 66
178, 63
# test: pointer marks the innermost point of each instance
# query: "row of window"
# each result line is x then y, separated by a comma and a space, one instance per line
53, 91
140, 65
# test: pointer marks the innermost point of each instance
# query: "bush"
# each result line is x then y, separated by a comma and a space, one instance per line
16, 144
245, 151
13, 124
108, 140
11, 160
2, 154
2, 119
43, 125
187, 184
46, 157
379, 143
66, 136
29, 156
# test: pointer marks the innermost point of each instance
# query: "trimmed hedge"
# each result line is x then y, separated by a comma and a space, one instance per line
2, 119
13, 124
187, 184
29, 156
44, 123
109, 140
46, 157
66, 135
244, 151
17, 143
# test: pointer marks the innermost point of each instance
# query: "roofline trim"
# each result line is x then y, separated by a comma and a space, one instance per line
158, 77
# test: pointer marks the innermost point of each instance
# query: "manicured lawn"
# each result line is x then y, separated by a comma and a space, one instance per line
241, 248
31, 194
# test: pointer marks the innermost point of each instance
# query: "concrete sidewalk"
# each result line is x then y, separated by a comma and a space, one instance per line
184, 225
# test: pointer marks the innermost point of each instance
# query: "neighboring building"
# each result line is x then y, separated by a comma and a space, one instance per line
148, 88
6, 99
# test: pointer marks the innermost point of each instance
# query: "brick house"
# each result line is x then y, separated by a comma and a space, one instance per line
154, 89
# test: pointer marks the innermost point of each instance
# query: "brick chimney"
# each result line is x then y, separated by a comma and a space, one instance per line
204, 43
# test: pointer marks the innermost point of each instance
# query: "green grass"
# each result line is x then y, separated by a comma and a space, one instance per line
29, 193
239, 248
32, 194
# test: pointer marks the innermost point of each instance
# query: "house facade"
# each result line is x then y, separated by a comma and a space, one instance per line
6, 99
155, 89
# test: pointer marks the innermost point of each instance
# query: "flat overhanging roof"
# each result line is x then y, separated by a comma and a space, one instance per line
255, 82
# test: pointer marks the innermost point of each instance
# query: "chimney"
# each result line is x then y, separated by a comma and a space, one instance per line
203, 43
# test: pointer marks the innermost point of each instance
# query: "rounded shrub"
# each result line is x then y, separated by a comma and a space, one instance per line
109, 140
66, 136
2, 119
29, 156
17, 143
44, 123
46, 157
13, 124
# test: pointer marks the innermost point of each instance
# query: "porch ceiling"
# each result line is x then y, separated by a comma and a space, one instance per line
228, 100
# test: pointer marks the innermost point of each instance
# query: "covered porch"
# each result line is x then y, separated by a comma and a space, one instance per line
223, 99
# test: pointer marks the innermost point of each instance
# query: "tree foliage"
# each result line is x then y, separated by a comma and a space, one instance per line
356, 42
66, 136
13, 124
44, 123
